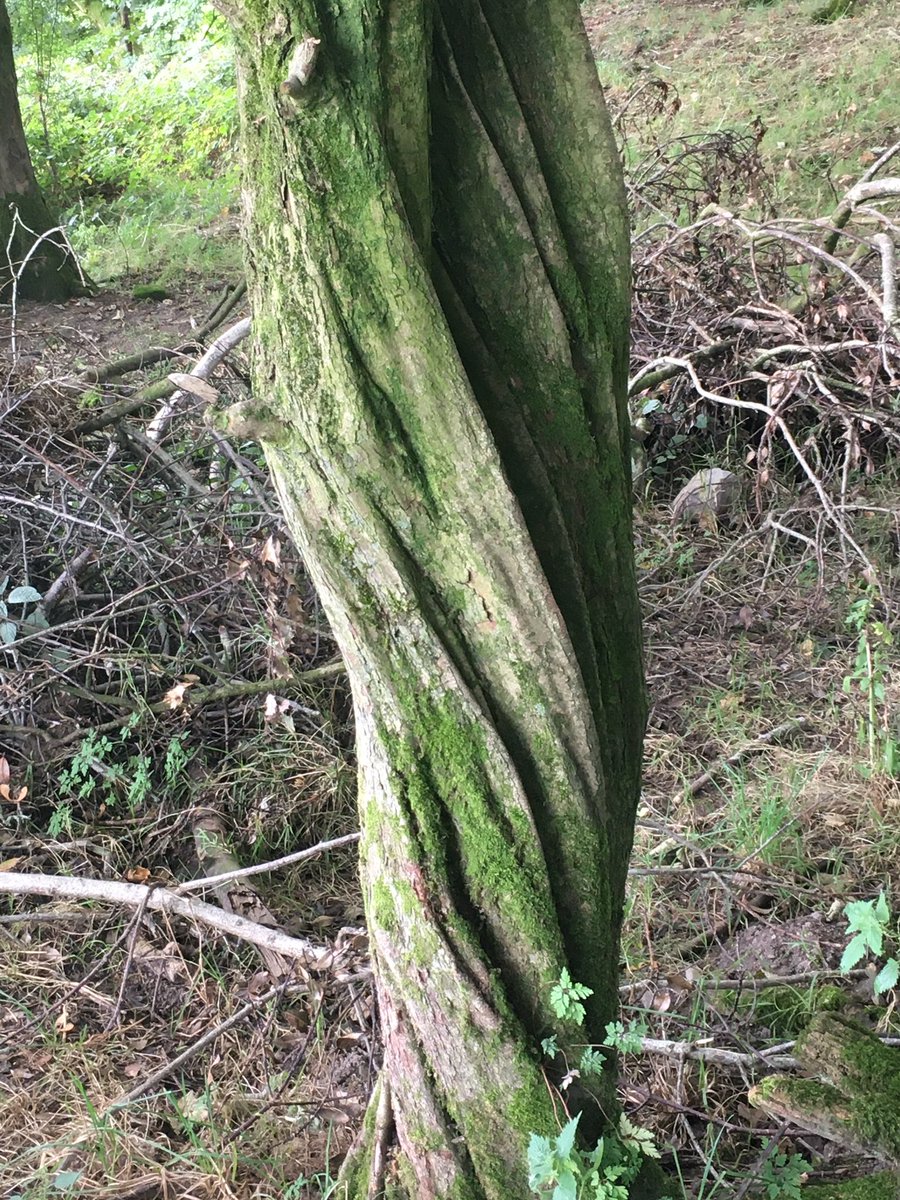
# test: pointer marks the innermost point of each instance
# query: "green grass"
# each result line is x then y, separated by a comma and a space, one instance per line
821, 90
175, 230
137, 153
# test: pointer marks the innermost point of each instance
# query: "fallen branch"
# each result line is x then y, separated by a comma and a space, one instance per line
716, 1055
274, 865
844, 210
156, 354
160, 390
751, 982
794, 725
193, 696
854, 1097
305, 953
221, 347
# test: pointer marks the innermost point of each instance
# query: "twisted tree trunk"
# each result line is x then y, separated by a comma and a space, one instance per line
49, 273
438, 263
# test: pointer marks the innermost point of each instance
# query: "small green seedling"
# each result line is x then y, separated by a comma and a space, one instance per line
566, 997
18, 596
591, 1062
868, 921
871, 670
782, 1175
627, 1039
558, 1169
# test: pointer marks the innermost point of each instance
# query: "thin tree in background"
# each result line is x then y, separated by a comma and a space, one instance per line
49, 272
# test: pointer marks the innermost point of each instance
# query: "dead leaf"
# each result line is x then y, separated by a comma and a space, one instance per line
174, 697
10, 864
4, 769
677, 980
271, 552
132, 1070
237, 569
63, 1025
195, 387
137, 874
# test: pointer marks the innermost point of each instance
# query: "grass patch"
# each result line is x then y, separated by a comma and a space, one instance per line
818, 88
169, 233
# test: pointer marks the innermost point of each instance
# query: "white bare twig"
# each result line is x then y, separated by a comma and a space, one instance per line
884, 244
700, 1052
17, 272
274, 865
204, 367
132, 895
779, 421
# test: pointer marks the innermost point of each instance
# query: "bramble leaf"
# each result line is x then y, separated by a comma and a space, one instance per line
887, 977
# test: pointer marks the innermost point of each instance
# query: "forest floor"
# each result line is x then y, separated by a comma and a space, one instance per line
771, 796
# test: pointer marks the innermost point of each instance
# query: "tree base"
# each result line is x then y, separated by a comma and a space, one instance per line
50, 273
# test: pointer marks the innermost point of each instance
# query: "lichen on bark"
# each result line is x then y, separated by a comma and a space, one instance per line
437, 257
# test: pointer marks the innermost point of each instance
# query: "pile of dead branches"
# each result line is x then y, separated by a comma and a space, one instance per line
778, 337
154, 611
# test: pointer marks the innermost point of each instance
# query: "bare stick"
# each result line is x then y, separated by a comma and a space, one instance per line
274, 865
195, 1047
779, 421
885, 246
751, 982
698, 1052
794, 725
133, 895
844, 210
68, 576
129, 961
222, 346
384, 1127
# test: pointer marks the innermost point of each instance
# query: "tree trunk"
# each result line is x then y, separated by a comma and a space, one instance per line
50, 273
438, 261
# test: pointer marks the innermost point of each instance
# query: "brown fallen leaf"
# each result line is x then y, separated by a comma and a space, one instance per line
271, 552
62, 1024
174, 697
194, 386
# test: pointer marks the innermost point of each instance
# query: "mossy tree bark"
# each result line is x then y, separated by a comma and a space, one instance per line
853, 1093
438, 261
49, 274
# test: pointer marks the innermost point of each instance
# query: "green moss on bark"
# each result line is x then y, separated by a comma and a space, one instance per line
493, 652
883, 1185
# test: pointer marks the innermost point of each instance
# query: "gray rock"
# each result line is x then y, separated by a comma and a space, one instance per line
710, 495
